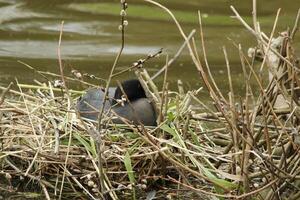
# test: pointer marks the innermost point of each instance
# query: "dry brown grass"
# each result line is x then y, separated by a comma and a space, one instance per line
243, 148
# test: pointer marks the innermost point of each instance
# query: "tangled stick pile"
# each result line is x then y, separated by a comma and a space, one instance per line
245, 147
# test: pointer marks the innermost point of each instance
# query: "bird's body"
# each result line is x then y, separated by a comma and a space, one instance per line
90, 103
138, 110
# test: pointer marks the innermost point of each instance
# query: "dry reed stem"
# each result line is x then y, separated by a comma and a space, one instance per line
252, 136
205, 58
175, 57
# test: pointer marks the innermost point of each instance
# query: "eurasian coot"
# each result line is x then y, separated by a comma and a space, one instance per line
138, 110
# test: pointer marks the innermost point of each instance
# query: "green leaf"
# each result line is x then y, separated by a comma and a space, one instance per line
131, 135
93, 147
87, 146
168, 129
129, 169
195, 137
218, 181
171, 116
128, 166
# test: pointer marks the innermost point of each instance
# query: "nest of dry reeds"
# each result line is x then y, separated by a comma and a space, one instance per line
243, 148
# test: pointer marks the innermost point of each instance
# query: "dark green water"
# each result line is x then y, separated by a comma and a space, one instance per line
29, 31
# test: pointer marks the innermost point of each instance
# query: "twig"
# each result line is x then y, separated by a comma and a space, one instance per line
164, 93
296, 25
99, 127
69, 102
205, 58
140, 62
122, 26
254, 15
43, 73
267, 49
47, 196
260, 39
175, 56
60, 60
4, 92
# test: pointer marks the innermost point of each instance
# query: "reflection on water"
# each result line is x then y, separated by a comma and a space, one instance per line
72, 49
14, 11
29, 32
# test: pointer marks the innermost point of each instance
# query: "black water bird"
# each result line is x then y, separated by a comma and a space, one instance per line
137, 108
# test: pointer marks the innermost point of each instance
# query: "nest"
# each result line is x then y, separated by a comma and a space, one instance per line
243, 147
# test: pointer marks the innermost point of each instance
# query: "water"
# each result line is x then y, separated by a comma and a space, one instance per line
29, 32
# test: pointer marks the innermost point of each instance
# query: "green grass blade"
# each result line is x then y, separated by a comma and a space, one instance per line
129, 169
